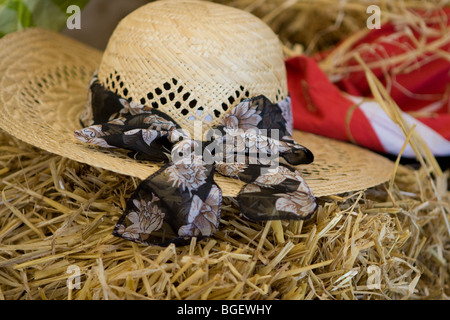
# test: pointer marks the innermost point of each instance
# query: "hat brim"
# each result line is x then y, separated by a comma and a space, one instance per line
44, 78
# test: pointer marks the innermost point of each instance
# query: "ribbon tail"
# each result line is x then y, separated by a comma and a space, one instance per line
279, 193
149, 135
178, 202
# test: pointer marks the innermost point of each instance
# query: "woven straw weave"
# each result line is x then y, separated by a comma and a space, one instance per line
193, 60
44, 78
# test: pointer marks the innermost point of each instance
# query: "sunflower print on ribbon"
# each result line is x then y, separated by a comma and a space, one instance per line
181, 200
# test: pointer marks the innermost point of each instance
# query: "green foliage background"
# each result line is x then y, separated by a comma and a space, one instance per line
50, 14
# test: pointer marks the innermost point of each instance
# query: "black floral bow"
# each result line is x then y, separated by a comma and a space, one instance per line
181, 200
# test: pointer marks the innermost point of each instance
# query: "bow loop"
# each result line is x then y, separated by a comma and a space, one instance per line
181, 200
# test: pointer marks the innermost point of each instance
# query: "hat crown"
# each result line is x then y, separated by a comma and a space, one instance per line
193, 60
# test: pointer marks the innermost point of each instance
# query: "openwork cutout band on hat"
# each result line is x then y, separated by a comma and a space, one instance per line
181, 200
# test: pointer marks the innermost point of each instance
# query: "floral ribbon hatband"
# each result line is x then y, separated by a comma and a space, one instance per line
181, 200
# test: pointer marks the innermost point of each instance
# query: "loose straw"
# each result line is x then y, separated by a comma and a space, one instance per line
420, 148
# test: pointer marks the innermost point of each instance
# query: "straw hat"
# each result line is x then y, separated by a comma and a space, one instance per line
192, 60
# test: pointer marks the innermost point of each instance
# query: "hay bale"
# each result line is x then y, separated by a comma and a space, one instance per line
321, 24
387, 242
57, 215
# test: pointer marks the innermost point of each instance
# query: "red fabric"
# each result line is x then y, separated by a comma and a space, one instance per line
320, 106
411, 90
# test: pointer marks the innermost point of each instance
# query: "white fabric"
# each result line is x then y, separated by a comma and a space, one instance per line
391, 136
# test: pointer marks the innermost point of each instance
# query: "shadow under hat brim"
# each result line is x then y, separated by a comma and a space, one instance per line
44, 79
